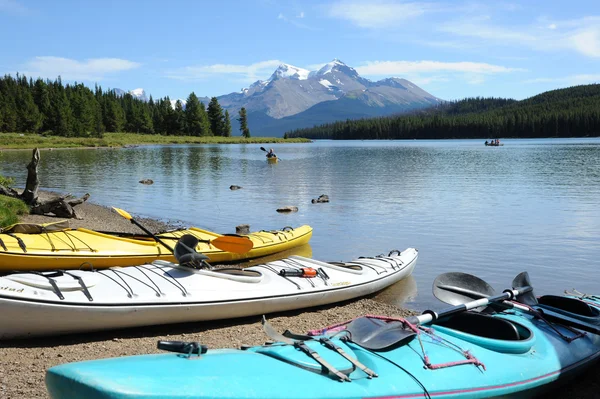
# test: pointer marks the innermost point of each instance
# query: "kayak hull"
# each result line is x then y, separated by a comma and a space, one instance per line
83, 248
165, 293
279, 371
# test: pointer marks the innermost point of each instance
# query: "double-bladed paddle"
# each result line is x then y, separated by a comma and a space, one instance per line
461, 288
265, 150
238, 245
462, 306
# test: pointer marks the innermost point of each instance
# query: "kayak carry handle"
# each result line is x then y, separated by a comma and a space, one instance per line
188, 348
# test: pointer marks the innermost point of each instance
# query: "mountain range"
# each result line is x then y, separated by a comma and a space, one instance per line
293, 98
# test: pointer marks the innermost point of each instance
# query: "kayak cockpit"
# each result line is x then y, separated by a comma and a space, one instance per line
575, 306
494, 333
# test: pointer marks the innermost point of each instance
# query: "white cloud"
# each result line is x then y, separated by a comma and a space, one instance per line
581, 35
293, 21
94, 69
571, 80
245, 73
395, 68
376, 13
587, 41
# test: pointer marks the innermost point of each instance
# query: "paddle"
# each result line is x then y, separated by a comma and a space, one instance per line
127, 216
461, 288
430, 315
233, 244
264, 149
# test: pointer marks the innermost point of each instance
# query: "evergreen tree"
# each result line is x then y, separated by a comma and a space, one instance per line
227, 128
215, 117
204, 120
178, 121
60, 115
41, 97
29, 118
193, 116
243, 119
114, 116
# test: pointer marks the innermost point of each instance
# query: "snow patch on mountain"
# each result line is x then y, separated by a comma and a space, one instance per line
326, 83
139, 94
174, 102
290, 72
327, 68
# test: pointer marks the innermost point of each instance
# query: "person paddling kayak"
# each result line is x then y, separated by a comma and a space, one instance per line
271, 154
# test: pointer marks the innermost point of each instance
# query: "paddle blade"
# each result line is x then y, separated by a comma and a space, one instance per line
238, 245
263, 148
123, 213
459, 288
520, 282
378, 335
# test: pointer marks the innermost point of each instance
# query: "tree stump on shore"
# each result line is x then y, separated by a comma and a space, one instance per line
60, 207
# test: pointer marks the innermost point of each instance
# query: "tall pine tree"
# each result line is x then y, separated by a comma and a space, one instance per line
215, 117
243, 119
227, 129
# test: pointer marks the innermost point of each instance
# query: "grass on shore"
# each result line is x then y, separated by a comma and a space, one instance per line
33, 140
10, 210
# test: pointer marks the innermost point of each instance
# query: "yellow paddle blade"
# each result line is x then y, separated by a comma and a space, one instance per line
123, 213
237, 245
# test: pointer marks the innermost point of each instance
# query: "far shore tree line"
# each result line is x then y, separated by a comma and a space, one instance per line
74, 110
571, 112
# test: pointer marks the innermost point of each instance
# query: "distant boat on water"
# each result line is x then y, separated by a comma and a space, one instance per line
493, 143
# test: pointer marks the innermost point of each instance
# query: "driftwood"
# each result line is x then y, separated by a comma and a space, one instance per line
61, 207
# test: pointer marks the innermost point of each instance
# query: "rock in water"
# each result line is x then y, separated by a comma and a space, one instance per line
147, 181
234, 187
242, 229
287, 209
322, 198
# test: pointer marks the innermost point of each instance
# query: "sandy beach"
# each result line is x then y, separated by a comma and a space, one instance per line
23, 363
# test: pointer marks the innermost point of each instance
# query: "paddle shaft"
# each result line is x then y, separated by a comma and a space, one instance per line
500, 300
152, 235
429, 315
142, 236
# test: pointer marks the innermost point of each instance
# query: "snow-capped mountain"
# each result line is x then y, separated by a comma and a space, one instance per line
291, 90
140, 94
137, 93
294, 97
174, 102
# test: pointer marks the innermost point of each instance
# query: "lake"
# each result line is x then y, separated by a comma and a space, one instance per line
490, 211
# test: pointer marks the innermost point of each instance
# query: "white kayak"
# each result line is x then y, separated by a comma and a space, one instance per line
62, 302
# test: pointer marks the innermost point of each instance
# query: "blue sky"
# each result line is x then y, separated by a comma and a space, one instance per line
453, 49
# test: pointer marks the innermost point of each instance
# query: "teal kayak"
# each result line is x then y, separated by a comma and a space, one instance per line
507, 353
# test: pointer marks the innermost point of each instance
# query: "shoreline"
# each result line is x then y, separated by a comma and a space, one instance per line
24, 362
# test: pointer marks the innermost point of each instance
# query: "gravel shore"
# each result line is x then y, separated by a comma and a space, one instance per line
23, 363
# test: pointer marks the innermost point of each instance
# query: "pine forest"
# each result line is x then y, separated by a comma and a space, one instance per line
571, 112
74, 110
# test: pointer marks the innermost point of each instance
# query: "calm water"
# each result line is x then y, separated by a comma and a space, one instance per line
491, 211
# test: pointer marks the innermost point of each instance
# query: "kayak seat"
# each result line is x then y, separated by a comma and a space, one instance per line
571, 305
483, 326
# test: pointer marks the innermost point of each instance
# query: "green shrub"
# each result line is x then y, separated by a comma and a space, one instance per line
10, 210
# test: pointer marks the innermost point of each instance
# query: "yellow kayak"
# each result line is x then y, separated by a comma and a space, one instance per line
272, 159
53, 247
